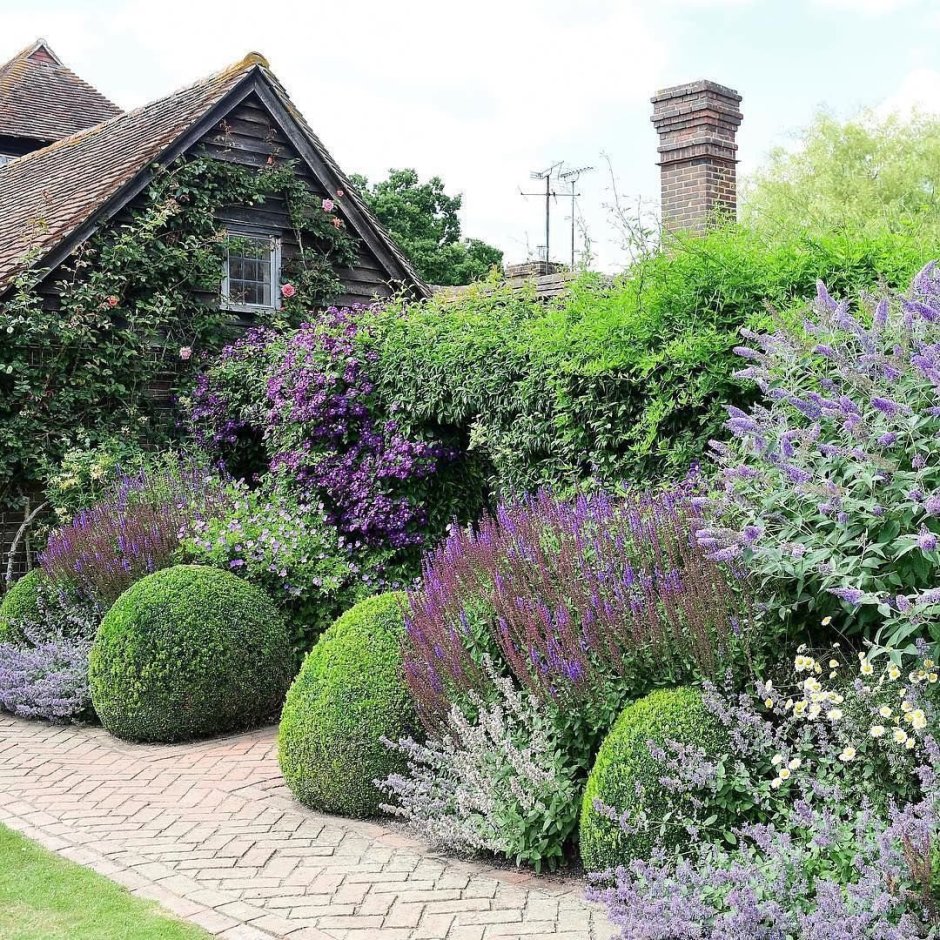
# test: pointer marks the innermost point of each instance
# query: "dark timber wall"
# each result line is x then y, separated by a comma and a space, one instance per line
249, 137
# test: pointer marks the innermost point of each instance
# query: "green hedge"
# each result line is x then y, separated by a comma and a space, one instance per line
626, 776
20, 605
188, 651
348, 695
626, 381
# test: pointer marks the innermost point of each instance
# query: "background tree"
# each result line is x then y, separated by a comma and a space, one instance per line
424, 220
868, 175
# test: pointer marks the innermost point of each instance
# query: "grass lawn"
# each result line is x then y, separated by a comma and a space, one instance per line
45, 897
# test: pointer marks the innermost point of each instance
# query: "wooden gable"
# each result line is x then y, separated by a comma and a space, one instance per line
250, 136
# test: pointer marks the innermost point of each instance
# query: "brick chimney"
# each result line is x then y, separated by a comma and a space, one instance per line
697, 123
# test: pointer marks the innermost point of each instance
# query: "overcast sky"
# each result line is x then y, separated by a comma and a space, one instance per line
481, 93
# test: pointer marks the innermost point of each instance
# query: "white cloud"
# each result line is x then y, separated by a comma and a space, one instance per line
919, 91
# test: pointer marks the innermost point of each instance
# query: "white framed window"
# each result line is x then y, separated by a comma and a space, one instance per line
252, 271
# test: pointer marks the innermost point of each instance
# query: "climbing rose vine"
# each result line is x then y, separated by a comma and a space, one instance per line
831, 483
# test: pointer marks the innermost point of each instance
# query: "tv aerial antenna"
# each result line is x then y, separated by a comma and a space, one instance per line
547, 176
571, 177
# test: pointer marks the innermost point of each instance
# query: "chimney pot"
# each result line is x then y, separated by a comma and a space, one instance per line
697, 123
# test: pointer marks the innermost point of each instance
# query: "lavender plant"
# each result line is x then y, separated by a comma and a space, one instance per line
777, 884
491, 781
583, 602
831, 484
134, 530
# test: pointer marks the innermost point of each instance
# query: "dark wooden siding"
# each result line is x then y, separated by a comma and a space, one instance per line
248, 136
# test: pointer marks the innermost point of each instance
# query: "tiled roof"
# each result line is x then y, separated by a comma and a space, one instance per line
43, 100
46, 195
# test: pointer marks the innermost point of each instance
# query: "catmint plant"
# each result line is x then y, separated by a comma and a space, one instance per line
47, 675
820, 820
490, 780
830, 490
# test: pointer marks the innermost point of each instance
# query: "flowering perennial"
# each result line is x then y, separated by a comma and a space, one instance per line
569, 595
306, 402
816, 822
134, 530
494, 783
831, 485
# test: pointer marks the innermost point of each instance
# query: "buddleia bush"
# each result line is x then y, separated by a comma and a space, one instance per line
830, 488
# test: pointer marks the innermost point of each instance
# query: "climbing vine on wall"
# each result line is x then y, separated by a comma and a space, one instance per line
78, 364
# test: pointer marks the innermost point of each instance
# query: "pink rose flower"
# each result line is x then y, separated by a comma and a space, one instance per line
186, 352
288, 291
340, 194
113, 301
337, 223
328, 205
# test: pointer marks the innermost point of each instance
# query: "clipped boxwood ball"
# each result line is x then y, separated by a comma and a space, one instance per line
20, 605
188, 651
348, 695
626, 776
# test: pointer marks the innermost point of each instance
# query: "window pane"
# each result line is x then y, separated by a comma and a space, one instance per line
250, 270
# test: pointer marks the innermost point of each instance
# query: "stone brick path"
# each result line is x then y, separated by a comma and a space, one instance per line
209, 831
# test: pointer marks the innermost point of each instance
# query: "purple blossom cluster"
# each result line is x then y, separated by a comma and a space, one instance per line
46, 680
224, 402
133, 531
309, 399
568, 595
831, 481
325, 434
771, 888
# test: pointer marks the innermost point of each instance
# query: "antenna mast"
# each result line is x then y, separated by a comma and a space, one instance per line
549, 192
571, 177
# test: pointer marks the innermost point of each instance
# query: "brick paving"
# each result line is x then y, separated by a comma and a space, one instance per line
209, 831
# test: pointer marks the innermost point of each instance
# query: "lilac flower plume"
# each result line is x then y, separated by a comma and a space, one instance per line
836, 457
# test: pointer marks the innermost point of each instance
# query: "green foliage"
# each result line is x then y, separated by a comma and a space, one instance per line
188, 651
348, 696
424, 221
87, 470
615, 382
287, 548
865, 176
133, 304
626, 777
20, 606
46, 897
